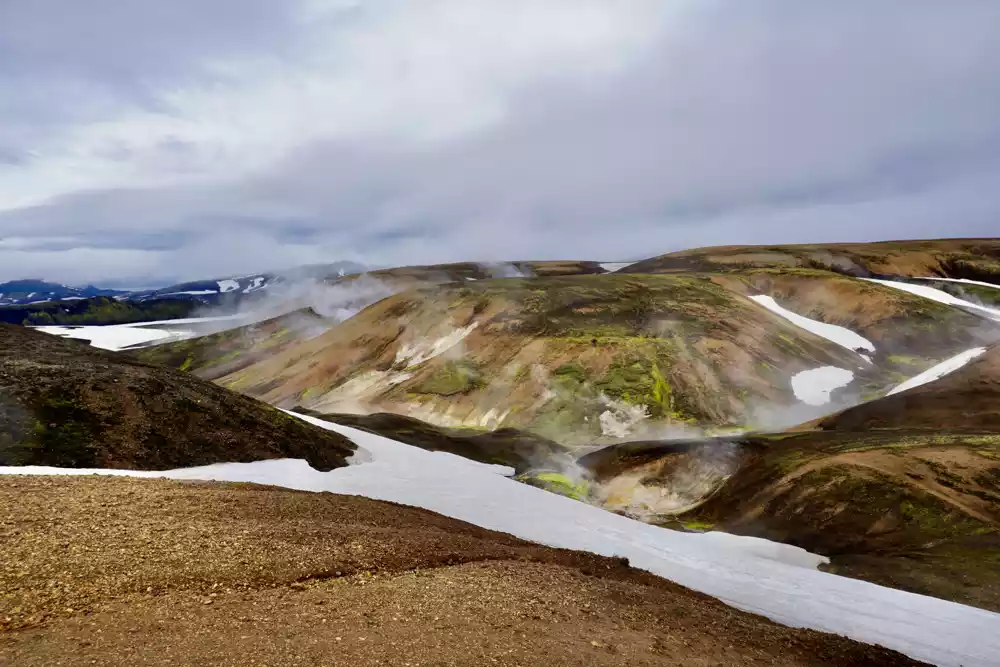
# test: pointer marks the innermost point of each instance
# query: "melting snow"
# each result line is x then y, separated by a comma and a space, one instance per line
937, 372
611, 267
110, 337
963, 280
776, 580
836, 334
813, 387
228, 285
119, 336
939, 296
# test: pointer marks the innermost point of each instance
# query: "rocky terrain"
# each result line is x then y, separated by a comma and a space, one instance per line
151, 572
63, 403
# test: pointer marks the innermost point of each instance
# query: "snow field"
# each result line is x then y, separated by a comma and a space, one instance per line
120, 336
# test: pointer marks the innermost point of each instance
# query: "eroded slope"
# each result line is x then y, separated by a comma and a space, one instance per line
570, 358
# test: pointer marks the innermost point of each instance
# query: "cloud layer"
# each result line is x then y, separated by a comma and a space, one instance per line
146, 141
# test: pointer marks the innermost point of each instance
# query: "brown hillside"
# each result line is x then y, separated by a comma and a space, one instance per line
978, 259
548, 354
914, 510
212, 356
152, 572
966, 400
63, 403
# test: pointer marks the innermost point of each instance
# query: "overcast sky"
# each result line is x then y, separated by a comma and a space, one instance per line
145, 141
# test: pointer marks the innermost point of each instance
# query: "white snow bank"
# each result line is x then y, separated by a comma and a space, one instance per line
813, 387
840, 335
110, 337
119, 336
775, 580
937, 372
939, 296
611, 267
228, 285
962, 280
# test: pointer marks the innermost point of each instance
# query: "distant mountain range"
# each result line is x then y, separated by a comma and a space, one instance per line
209, 292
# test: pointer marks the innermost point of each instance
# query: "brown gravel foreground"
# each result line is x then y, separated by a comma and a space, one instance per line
114, 571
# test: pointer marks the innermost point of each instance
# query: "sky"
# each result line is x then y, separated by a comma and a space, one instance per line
146, 142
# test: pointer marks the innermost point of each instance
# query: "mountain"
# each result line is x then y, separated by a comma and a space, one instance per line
585, 357
63, 403
16, 292
227, 293
843, 411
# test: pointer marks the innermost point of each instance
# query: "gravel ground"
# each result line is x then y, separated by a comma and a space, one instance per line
115, 571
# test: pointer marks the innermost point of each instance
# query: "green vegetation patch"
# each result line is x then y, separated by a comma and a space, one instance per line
451, 378
639, 380
558, 483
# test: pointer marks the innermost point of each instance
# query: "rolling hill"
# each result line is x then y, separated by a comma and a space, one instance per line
63, 403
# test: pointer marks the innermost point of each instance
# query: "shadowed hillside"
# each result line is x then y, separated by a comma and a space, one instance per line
63, 403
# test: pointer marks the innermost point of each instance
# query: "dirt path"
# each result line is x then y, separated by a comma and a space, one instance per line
115, 571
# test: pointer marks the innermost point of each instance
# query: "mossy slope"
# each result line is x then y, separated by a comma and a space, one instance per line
571, 357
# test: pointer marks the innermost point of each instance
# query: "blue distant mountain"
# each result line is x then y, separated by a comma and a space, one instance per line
209, 292
18, 292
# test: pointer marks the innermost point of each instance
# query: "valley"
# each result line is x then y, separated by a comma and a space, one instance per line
713, 405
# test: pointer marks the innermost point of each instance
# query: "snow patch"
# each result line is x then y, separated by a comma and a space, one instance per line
939, 296
258, 281
937, 372
228, 285
120, 336
836, 334
611, 267
112, 337
813, 387
775, 580
963, 280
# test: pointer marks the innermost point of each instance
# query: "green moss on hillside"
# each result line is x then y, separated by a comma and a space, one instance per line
452, 377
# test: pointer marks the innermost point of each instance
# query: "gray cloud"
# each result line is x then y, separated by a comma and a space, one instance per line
246, 139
